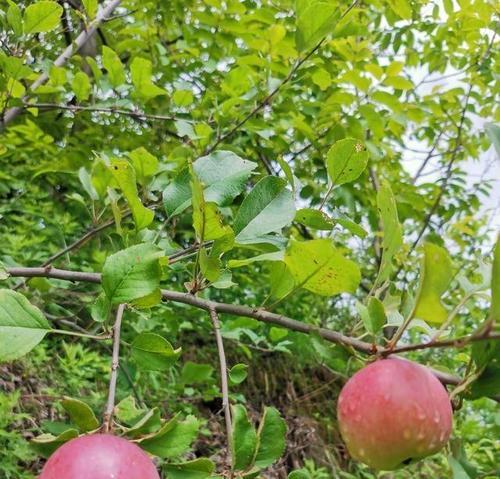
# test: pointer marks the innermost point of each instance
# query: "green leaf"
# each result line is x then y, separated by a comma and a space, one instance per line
238, 373
14, 18
47, 444
101, 308
111, 61
495, 284
210, 266
319, 267
173, 439
493, 132
86, 181
42, 16
141, 71
132, 273
196, 469
183, 97
90, 7
149, 423
281, 280
22, 325
314, 219
488, 383
393, 234
124, 174
274, 256
300, 474
81, 86
223, 175
4, 274
435, 277
80, 414
145, 164
196, 373
272, 432
458, 472
402, 8
346, 160
267, 208
376, 312
152, 352
243, 439
315, 19
349, 225
127, 411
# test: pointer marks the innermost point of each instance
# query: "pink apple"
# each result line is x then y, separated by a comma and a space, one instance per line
393, 412
99, 456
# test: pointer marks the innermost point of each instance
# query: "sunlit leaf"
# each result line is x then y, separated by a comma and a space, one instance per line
243, 440
346, 160
42, 16
435, 277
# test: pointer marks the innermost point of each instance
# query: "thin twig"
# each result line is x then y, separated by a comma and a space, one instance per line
81, 335
223, 375
75, 47
457, 343
111, 109
430, 154
115, 363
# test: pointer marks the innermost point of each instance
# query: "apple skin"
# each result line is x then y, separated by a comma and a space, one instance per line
99, 456
393, 412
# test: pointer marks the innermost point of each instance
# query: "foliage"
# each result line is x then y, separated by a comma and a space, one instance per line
245, 153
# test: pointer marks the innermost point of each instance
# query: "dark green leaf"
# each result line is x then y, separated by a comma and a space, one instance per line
272, 432
267, 208
80, 414
152, 352
243, 440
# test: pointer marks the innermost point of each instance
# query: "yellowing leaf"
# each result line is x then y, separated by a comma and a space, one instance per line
319, 267
435, 277
124, 175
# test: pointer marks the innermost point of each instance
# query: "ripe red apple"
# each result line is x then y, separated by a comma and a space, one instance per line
99, 456
392, 412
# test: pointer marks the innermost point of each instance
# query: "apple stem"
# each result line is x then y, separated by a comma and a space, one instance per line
115, 364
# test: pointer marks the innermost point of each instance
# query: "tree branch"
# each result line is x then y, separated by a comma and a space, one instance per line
115, 363
223, 375
138, 115
260, 315
79, 42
